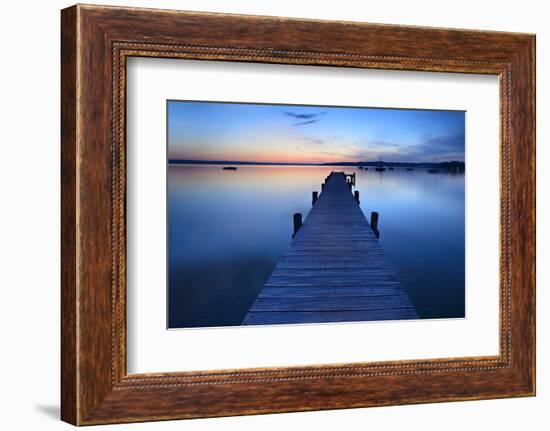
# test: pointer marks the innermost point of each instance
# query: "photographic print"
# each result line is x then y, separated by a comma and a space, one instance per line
299, 214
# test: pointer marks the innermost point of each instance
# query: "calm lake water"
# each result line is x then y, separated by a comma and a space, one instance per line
228, 229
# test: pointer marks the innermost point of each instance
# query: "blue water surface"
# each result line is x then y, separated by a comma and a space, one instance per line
228, 229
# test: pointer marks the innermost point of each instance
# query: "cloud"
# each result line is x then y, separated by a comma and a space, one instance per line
307, 118
311, 141
303, 123
431, 149
303, 116
438, 148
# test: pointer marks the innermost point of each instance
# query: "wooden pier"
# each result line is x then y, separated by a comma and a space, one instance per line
334, 269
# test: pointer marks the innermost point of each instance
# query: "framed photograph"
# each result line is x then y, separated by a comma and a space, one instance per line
263, 214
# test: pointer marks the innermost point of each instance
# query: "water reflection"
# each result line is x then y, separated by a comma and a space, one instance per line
228, 229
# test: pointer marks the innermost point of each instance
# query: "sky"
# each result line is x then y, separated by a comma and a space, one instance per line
210, 131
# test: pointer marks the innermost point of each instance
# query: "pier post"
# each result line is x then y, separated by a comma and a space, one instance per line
323, 186
356, 194
374, 223
354, 178
314, 196
297, 223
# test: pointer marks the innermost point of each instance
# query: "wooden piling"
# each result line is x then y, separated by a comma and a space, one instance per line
314, 196
356, 195
374, 223
297, 223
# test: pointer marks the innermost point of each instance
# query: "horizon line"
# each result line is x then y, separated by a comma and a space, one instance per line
359, 162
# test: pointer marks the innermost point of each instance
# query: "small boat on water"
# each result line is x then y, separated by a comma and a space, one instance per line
366, 169
433, 171
380, 169
229, 168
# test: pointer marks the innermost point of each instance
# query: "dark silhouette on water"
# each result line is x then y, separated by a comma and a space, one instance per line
229, 168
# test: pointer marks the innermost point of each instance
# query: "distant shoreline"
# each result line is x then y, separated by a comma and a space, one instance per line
450, 164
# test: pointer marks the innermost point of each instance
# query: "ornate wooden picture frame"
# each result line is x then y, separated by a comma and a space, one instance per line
96, 41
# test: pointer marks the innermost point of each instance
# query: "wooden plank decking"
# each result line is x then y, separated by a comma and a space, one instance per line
333, 271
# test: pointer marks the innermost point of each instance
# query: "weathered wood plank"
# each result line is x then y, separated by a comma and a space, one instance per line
342, 303
330, 291
333, 271
279, 318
